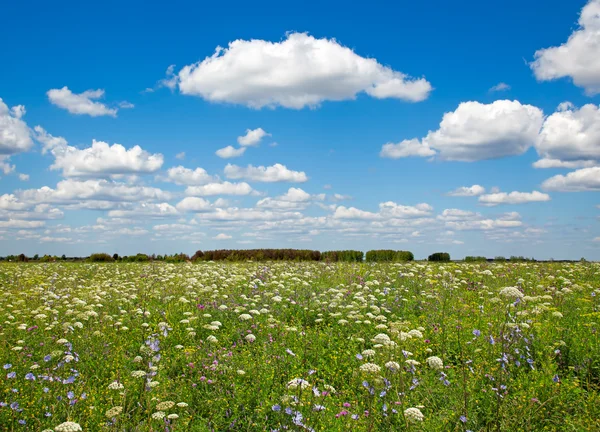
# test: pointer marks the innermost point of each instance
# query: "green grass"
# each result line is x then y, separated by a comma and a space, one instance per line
508, 365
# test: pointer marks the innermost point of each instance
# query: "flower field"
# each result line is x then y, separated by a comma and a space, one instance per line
300, 346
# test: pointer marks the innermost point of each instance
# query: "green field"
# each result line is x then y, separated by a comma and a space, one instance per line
300, 346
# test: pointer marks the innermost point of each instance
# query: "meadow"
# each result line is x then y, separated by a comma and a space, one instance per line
300, 346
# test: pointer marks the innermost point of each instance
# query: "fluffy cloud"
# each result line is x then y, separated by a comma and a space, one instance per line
143, 210
82, 103
462, 220
390, 209
188, 177
570, 137
99, 160
578, 57
476, 131
230, 152
297, 72
293, 199
224, 188
235, 214
193, 204
253, 137
586, 179
494, 199
271, 174
406, 148
73, 191
15, 136
469, 191
222, 236
500, 87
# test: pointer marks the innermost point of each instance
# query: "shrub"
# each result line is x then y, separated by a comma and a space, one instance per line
475, 259
343, 255
387, 255
100, 257
439, 256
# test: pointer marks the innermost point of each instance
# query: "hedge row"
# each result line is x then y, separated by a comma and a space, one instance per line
343, 255
387, 255
258, 255
475, 259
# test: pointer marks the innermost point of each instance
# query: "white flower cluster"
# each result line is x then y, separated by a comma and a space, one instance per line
413, 415
435, 363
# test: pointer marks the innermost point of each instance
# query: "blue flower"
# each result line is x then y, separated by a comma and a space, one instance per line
7, 366
276, 407
30, 377
463, 419
47, 358
477, 332
11, 375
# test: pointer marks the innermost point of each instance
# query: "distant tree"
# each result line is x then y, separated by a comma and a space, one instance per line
63, 257
36, 257
22, 258
439, 256
100, 257
116, 257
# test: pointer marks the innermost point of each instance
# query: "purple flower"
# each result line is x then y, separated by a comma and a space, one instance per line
318, 408
288, 411
7, 366
354, 416
477, 333
11, 375
463, 419
276, 407
492, 341
359, 356
14, 405
30, 377
48, 414
47, 358
556, 379
22, 422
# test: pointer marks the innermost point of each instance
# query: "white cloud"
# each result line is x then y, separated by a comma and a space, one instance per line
150, 210
82, 103
235, 214
513, 198
126, 105
468, 191
274, 173
21, 224
99, 160
23, 177
193, 204
462, 220
5, 165
297, 72
342, 212
390, 209
578, 57
15, 136
406, 148
222, 236
500, 87
556, 163
188, 177
253, 137
476, 131
75, 191
230, 152
224, 188
585, 179
180, 156
293, 199
571, 136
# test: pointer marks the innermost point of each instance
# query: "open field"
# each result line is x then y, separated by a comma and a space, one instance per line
300, 346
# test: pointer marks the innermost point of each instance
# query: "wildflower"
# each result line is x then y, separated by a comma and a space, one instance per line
212, 339
368, 353
164, 406
393, 366
435, 363
245, 317
138, 374
182, 404
298, 382
172, 416
413, 415
114, 411
68, 427
158, 415
250, 338
370, 368
115, 385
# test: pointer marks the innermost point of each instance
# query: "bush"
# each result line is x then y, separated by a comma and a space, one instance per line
439, 256
257, 255
475, 259
343, 255
387, 255
100, 257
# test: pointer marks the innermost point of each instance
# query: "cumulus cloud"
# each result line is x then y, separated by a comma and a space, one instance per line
463, 220
390, 209
468, 191
585, 179
99, 160
193, 204
476, 131
23, 177
235, 214
230, 152
271, 174
222, 236
406, 148
188, 177
15, 136
515, 197
72, 191
82, 103
224, 188
253, 137
150, 210
570, 138
294, 198
577, 58
297, 72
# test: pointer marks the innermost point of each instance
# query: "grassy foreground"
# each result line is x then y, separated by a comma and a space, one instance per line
300, 346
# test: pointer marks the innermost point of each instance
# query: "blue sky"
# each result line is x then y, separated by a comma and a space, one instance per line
364, 121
